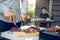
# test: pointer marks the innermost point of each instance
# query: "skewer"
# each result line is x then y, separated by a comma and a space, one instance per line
14, 21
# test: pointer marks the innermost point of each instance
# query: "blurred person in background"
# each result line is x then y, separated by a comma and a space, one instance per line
43, 16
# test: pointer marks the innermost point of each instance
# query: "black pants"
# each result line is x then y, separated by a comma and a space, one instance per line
45, 24
4, 26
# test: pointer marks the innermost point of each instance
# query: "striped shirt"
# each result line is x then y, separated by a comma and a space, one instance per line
14, 5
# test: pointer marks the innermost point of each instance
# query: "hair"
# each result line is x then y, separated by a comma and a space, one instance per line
44, 8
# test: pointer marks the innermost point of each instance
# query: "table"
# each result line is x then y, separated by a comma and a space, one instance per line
48, 22
50, 35
2, 38
43, 36
10, 36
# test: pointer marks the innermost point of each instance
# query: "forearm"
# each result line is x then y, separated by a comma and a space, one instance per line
24, 6
40, 19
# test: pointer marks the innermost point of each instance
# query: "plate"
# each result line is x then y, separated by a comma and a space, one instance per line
42, 28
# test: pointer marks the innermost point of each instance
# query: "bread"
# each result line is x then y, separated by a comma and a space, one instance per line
23, 34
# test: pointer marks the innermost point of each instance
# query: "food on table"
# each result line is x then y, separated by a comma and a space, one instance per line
53, 29
30, 31
48, 19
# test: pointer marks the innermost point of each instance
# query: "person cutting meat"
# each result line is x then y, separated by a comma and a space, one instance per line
10, 14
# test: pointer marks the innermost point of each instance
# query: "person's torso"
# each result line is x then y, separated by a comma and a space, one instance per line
44, 15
